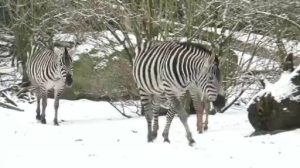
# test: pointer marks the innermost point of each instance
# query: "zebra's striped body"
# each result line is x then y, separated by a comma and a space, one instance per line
163, 71
47, 70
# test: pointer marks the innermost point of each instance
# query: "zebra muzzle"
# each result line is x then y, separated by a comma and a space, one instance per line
69, 80
220, 102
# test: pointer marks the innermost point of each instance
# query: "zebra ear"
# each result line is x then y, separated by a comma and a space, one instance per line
66, 51
72, 51
216, 61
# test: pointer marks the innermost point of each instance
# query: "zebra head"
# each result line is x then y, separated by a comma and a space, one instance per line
66, 68
214, 87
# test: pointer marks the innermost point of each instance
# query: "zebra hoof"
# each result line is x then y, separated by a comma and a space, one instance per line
55, 123
191, 142
212, 112
153, 135
150, 139
43, 121
38, 117
167, 140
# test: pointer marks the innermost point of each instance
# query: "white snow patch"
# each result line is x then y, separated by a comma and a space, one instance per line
64, 37
3, 43
282, 89
7, 70
292, 46
104, 44
258, 63
95, 135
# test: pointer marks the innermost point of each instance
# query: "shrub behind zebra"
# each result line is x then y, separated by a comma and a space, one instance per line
164, 71
49, 69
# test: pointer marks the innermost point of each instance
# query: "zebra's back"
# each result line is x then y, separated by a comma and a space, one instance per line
161, 67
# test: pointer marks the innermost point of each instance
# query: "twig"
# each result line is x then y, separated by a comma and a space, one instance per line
232, 102
10, 107
9, 88
280, 17
25, 89
9, 100
123, 114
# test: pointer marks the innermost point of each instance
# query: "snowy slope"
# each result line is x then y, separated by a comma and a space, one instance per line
93, 134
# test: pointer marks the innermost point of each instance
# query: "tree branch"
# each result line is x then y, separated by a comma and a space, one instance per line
121, 112
232, 102
280, 17
10, 107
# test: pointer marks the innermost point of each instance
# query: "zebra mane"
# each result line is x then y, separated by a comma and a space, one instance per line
152, 43
144, 45
196, 45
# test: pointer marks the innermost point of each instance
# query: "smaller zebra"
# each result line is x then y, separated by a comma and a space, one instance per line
46, 70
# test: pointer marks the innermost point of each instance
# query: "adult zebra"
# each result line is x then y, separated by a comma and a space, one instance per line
163, 71
47, 70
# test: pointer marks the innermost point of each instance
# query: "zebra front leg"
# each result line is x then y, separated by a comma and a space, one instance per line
212, 110
44, 105
57, 93
199, 112
207, 109
183, 119
170, 115
155, 121
149, 117
183, 115
199, 106
147, 111
56, 105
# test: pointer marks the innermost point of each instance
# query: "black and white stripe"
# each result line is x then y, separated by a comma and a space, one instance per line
164, 71
48, 69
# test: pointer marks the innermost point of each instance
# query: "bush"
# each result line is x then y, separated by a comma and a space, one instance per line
102, 79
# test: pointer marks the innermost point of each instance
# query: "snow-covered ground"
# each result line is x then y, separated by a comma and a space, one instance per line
94, 134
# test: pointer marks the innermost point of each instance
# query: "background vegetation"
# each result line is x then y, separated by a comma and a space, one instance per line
225, 26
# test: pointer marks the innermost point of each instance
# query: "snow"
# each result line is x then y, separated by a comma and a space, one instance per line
282, 89
103, 43
258, 63
291, 46
64, 37
94, 134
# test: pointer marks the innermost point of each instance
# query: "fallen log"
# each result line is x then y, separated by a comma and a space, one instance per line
276, 108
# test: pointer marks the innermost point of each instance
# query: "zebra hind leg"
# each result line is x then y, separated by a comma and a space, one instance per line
44, 105
38, 109
170, 115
